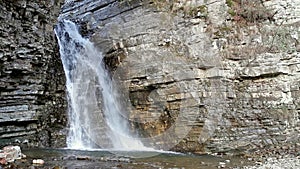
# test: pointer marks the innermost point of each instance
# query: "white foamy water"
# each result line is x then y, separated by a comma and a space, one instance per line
91, 97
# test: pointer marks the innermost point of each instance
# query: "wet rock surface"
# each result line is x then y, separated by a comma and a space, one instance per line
32, 98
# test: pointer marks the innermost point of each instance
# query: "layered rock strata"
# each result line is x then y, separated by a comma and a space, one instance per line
198, 76
32, 99
202, 76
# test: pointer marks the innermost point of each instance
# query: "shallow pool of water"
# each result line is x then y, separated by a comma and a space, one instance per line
71, 159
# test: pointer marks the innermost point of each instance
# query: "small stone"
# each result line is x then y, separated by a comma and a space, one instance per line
82, 158
38, 161
298, 47
3, 161
11, 153
222, 165
23, 155
69, 158
25, 141
258, 163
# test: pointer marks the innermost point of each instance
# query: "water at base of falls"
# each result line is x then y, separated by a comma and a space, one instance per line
95, 116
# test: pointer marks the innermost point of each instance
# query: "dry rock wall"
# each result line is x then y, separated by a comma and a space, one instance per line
32, 99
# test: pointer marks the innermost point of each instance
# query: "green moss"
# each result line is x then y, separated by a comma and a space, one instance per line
229, 3
202, 9
225, 29
231, 12
218, 34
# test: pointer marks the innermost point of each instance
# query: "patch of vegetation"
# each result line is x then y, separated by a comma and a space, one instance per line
280, 40
129, 2
229, 3
252, 11
232, 12
175, 6
197, 12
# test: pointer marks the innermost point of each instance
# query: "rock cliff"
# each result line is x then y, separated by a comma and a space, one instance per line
210, 76
198, 76
32, 99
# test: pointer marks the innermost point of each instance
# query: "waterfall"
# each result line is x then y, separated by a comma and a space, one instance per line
94, 111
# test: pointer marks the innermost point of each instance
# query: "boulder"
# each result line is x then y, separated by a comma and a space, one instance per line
10, 154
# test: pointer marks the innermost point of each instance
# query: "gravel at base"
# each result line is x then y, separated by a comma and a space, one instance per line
273, 163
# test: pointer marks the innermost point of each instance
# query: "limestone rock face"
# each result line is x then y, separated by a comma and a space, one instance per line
201, 76
32, 99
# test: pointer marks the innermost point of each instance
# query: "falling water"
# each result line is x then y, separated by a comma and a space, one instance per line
90, 93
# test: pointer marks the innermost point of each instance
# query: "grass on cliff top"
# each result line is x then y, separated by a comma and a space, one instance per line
175, 6
251, 11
